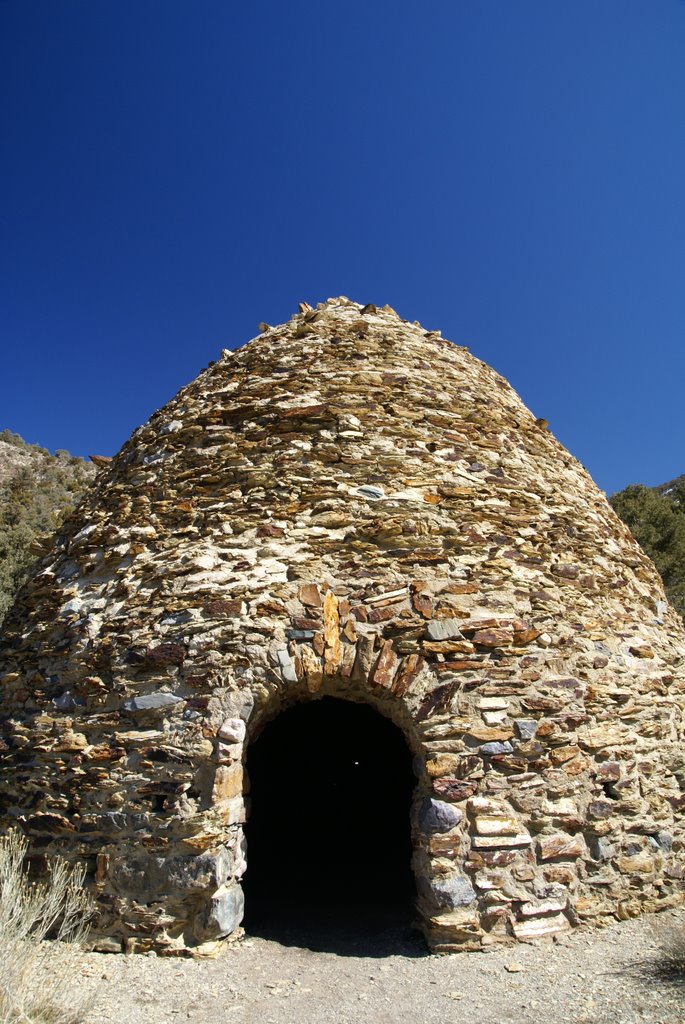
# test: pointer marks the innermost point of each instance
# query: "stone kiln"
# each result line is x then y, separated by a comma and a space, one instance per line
350, 506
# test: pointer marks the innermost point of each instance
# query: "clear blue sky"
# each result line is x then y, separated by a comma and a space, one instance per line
509, 171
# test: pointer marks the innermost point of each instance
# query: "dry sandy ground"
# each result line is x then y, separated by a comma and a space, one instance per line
614, 976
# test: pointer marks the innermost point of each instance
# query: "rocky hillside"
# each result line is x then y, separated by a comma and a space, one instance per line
674, 490
656, 516
37, 490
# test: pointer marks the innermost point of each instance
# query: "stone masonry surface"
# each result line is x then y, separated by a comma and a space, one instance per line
350, 505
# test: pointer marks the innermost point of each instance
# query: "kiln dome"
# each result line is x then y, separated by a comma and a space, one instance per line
350, 506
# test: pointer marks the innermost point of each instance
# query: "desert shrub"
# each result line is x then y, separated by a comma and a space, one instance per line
662, 964
37, 984
670, 965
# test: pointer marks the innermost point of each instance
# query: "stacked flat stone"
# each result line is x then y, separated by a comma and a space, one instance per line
350, 505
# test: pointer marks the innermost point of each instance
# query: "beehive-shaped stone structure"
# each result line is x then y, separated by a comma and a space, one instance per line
350, 505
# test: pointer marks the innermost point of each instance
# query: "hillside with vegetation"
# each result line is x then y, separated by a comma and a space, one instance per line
37, 491
656, 517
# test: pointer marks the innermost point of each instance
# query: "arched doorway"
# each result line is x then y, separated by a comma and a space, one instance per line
328, 836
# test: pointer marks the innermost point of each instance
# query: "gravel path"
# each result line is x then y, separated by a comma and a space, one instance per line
617, 975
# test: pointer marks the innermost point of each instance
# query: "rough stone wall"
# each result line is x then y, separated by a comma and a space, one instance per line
350, 505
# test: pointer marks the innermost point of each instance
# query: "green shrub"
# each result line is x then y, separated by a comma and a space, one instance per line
658, 525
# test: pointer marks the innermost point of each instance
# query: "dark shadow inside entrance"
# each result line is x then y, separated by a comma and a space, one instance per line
328, 837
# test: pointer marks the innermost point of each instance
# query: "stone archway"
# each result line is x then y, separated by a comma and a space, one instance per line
328, 835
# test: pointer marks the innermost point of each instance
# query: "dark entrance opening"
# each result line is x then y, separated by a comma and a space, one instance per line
328, 836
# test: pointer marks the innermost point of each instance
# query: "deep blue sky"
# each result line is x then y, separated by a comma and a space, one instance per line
513, 173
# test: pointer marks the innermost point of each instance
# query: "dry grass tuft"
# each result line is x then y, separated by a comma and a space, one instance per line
665, 966
37, 983
669, 967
